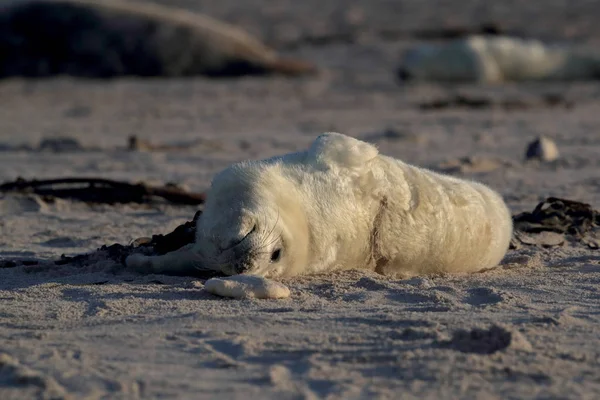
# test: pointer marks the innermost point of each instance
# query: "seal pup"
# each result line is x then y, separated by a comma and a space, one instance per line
341, 205
108, 38
495, 59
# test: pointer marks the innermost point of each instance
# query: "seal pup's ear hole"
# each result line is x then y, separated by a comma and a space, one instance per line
343, 151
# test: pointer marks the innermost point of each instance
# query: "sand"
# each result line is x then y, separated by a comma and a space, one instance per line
528, 329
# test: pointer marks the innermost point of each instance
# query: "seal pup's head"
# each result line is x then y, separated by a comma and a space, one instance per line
254, 221
279, 217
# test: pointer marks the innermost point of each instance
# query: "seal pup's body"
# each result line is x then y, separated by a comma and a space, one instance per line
495, 59
342, 205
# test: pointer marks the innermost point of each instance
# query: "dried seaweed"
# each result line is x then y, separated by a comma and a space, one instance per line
182, 235
559, 215
563, 217
97, 190
156, 245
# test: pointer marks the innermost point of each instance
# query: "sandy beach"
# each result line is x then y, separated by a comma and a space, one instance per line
527, 329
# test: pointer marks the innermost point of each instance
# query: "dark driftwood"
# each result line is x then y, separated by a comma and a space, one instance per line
97, 190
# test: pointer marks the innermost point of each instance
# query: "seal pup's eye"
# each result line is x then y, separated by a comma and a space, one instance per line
276, 255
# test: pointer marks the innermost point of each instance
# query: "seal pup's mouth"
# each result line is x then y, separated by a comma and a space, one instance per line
241, 260
234, 255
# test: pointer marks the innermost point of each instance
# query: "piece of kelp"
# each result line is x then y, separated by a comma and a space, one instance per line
157, 245
558, 215
555, 217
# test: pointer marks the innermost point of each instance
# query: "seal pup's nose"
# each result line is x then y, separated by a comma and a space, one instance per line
241, 268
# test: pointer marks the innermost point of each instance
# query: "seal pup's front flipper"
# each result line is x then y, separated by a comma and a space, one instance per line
185, 261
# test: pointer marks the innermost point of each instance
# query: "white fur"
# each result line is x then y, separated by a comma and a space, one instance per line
341, 205
494, 59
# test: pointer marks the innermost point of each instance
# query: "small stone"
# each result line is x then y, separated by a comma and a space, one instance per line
542, 148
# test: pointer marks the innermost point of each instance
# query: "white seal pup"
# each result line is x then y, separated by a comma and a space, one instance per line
495, 59
341, 205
